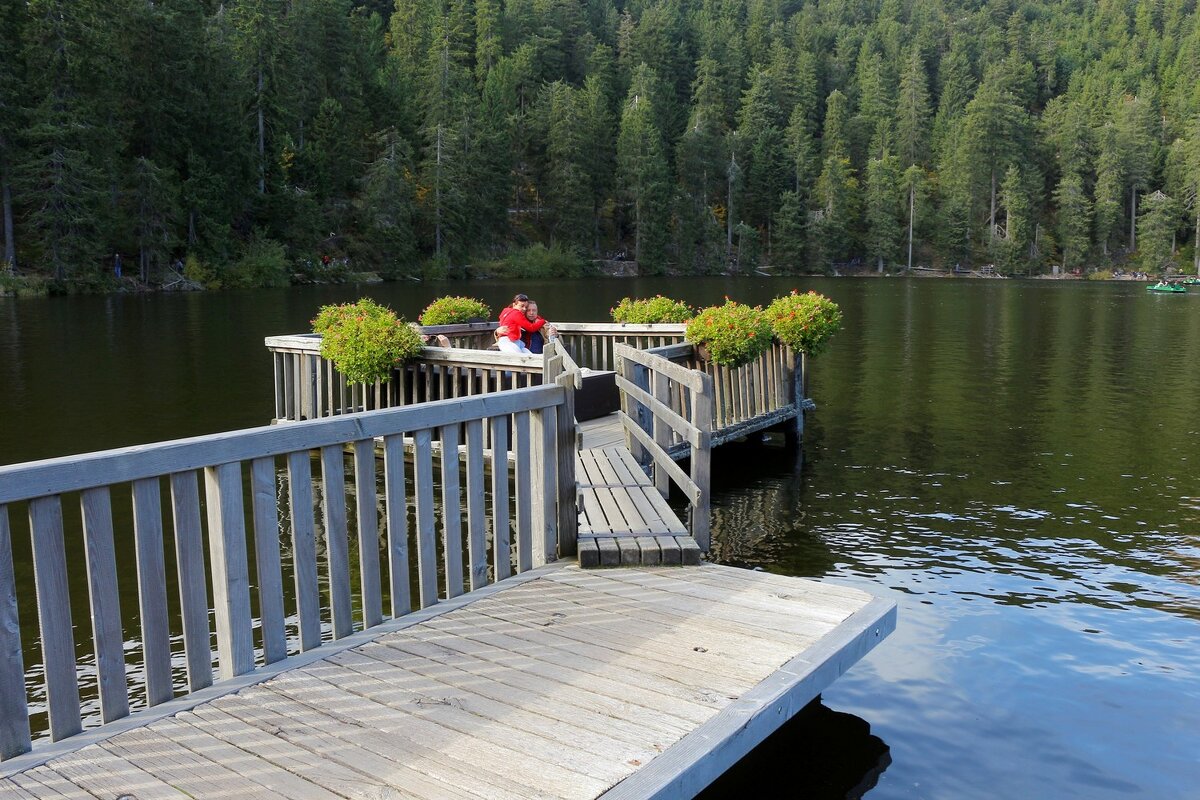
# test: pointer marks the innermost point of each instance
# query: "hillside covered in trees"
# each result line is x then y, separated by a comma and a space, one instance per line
416, 137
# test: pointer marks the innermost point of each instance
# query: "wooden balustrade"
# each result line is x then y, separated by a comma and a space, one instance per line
308, 386
251, 496
665, 406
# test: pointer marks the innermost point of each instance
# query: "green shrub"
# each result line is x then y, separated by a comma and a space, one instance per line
804, 322
453, 309
263, 264
651, 310
364, 340
539, 261
734, 334
1100, 275
199, 272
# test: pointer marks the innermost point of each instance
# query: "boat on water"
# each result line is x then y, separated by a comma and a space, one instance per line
1170, 288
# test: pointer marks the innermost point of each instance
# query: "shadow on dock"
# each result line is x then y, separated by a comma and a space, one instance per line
820, 753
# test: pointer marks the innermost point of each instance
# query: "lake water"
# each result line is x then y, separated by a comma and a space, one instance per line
1011, 462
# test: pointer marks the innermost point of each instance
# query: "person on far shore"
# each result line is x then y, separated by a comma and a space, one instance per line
514, 322
535, 341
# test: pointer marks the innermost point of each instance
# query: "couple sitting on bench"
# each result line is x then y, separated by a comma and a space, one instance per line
521, 329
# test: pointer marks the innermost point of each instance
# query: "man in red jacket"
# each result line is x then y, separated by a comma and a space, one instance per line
514, 322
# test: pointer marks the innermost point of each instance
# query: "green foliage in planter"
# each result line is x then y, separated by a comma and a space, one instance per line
364, 340
651, 310
804, 322
452, 309
734, 334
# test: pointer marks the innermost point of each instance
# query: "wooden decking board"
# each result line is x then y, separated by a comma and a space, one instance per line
432, 725
690, 702
569, 684
105, 775
400, 687
615, 714
613, 618
344, 744
664, 598
405, 759
587, 713
329, 774
249, 766
694, 653
444, 723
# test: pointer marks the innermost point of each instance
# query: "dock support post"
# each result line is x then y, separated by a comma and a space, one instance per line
794, 435
702, 418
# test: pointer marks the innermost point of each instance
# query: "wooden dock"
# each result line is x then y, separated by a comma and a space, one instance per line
363, 651
558, 683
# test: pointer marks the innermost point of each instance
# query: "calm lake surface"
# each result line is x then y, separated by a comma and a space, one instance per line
1014, 463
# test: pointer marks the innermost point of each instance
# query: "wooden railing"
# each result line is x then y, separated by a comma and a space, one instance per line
767, 391
665, 406
308, 386
255, 509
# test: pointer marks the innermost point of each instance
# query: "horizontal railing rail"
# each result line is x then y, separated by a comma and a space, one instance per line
240, 509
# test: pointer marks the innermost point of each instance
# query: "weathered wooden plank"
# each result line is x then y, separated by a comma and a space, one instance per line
610, 553
54, 616
546, 546
689, 550
257, 771
193, 583
231, 580
701, 468
476, 507
451, 511
367, 522
396, 503
102, 774
521, 425
104, 598
267, 562
568, 520
631, 554
14, 712
651, 552
426, 532
152, 590
308, 759
304, 549
589, 552
501, 536
670, 550
337, 539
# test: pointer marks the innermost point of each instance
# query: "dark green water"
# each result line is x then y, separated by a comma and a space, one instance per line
1011, 462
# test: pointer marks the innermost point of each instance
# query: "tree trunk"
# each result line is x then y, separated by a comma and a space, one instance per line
262, 138
637, 232
912, 205
729, 209
992, 210
10, 243
1133, 218
437, 197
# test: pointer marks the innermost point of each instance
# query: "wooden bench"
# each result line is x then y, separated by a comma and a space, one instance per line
623, 520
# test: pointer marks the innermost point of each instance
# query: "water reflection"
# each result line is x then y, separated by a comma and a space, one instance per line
820, 753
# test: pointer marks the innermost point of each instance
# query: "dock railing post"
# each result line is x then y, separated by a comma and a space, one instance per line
702, 418
569, 380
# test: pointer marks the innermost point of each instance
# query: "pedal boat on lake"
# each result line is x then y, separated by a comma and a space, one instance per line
1173, 288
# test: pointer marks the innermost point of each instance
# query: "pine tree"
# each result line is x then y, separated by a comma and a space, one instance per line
1156, 232
1074, 220
884, 228
912, 112
643, 172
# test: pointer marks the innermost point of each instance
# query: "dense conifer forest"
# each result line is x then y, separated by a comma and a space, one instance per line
250, 140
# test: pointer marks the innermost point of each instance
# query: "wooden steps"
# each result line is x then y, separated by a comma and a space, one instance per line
623, 520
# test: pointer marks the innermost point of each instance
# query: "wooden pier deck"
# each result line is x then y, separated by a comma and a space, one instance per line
557, 683
412, 627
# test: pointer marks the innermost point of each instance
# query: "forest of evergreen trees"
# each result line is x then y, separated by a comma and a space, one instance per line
416, 137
